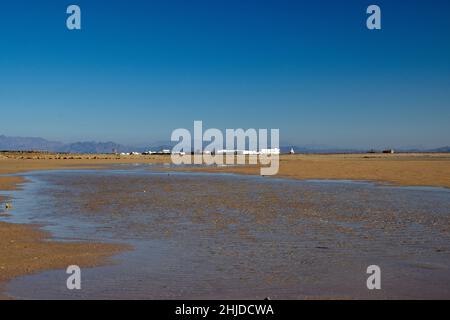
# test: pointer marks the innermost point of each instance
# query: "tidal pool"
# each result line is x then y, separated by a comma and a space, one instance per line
224, 236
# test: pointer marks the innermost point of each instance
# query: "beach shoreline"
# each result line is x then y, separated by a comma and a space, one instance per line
26, 249
402, 169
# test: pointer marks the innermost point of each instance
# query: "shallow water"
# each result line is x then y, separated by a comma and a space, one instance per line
228, 236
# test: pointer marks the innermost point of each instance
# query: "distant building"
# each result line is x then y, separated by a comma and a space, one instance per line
224, 151
270, 151
391, 151
240, 152
248, 152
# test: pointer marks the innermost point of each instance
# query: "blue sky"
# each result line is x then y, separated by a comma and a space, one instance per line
139, 69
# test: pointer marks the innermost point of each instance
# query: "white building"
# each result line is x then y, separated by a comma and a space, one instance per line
270, 151
250, 152
225, 151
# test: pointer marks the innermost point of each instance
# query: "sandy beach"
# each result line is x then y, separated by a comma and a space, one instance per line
25, 249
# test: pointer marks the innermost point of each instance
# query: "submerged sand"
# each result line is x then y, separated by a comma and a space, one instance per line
227, 237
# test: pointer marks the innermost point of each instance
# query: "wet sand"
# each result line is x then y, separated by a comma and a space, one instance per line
25, 249
201, 235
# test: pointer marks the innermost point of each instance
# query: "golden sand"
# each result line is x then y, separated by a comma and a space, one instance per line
19, 162
397, 169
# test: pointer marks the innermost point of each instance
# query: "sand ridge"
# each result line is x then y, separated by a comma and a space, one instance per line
398, 169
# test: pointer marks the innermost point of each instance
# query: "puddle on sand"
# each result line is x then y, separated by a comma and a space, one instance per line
227, 236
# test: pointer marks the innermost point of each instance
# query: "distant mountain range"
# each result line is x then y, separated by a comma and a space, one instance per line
40, 144
19, 144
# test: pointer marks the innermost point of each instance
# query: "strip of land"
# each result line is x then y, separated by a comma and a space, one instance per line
407, 169
397, 169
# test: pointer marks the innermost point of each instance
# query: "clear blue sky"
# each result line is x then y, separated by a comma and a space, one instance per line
139, 69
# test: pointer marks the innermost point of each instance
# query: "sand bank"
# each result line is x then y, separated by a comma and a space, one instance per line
23, 162
409, 169
398, 169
